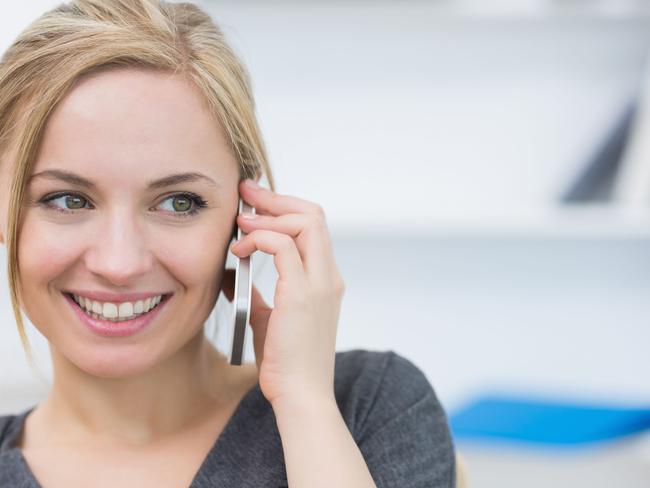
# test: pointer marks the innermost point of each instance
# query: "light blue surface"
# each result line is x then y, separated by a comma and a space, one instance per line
545, 421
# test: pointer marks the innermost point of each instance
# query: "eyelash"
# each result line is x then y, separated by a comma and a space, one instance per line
199, 203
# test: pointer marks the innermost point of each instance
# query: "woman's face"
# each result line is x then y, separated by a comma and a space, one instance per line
122, 131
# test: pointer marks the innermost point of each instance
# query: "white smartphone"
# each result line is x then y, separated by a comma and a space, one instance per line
242, 297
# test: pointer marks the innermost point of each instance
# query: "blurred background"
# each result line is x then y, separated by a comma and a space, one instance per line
485, 171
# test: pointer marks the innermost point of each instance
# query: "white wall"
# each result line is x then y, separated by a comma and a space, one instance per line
402, 115
425, 121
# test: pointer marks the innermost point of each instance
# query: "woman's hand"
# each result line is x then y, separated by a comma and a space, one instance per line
294, 342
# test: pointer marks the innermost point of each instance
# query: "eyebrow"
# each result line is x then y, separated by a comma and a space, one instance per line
75, 179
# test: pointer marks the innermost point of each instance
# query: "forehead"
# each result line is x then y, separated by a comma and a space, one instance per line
133, 121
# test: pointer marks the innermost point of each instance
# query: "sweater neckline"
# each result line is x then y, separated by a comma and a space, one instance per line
227, 434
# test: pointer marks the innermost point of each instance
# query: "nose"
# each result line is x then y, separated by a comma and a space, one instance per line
120, 252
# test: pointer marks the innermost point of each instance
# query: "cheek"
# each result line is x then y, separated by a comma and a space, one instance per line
46, 251
194, 255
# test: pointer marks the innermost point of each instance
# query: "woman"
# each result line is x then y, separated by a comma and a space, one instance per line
127, 136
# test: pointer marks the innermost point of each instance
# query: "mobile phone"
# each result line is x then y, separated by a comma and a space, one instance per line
242, 297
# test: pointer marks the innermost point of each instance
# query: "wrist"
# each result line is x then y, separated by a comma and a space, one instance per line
304, 404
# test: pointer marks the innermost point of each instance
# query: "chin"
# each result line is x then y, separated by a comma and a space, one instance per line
108, 361
126, 360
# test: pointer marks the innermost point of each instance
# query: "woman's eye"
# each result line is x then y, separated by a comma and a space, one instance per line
70, 202
180, 204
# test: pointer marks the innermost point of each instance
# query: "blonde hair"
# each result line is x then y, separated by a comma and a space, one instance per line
88, 36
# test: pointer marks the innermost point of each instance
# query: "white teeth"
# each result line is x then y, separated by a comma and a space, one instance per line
125, 309
115, 311
110, 310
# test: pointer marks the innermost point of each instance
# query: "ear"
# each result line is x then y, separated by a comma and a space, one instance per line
257, 177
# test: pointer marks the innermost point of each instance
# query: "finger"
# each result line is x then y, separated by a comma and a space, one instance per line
282, 247
260, 310
310, 233
267, 202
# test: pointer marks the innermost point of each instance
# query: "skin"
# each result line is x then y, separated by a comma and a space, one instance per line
122, 129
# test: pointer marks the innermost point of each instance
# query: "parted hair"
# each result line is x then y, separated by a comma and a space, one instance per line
83, 37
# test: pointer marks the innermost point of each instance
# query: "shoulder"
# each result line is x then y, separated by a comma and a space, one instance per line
394, 416
381, 384
11, 468
376, 365
379, 372
7, 427
11, 427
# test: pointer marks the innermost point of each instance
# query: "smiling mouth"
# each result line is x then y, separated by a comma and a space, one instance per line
113, 306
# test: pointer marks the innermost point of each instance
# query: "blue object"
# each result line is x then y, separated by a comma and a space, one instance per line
545, 422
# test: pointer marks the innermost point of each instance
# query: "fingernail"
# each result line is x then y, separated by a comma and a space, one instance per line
252, 183
248, 216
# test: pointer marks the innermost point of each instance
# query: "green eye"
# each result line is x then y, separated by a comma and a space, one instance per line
70, 202
74, 201
183, 204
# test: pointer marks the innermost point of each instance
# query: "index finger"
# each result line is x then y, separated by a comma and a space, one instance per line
268, 202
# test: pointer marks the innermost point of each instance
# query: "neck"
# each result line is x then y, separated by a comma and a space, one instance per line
144, 407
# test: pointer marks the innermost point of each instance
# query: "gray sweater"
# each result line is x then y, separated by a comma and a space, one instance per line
386, 401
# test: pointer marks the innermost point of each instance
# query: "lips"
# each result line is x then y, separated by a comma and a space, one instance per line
124, 328
102, 296
99, 307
